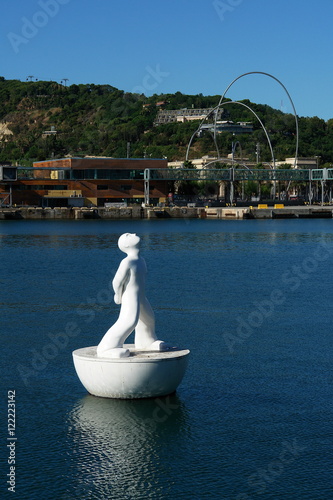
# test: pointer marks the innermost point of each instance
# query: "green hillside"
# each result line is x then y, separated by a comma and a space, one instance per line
100, 120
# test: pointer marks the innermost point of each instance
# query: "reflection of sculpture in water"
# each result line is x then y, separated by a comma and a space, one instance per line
135, 312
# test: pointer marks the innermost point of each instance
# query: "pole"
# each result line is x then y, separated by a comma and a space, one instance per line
258, 152
146, 185
232, 186
323, 183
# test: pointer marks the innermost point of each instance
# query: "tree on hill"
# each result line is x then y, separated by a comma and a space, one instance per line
100, 120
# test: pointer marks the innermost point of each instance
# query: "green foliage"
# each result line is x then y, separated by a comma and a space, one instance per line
189, 165
101, 120
251, 188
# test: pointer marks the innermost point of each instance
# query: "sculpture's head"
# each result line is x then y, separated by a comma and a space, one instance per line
128, 241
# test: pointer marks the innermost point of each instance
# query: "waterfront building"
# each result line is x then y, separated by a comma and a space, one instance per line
301, 163
89, 181
197, 163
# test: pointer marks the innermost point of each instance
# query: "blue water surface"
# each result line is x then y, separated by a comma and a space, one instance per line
253, 415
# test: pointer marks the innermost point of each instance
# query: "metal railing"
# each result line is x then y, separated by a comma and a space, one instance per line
183, 174
231, 174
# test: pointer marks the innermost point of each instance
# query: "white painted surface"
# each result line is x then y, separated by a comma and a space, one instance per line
135, 311
141, 375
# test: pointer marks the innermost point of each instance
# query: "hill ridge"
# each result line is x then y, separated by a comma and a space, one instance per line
40, 120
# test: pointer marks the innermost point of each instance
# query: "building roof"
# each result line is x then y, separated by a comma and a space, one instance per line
102, 163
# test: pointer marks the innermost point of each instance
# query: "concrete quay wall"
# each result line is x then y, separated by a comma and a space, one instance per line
96, 213
237, 213
231, 213
307, 212
62, 213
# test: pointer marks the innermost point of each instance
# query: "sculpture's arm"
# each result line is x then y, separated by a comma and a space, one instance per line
120, 280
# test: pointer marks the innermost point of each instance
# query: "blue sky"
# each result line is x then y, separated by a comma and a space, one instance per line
164, 46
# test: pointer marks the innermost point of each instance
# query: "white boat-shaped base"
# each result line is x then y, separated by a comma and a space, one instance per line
144, 374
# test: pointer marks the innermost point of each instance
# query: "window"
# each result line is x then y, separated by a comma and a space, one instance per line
77, 174
102, 173
40, 187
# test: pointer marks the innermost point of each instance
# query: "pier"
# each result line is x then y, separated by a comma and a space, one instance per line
262, 211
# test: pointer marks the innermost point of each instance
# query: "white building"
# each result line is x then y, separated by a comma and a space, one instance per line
301, 163
185, 114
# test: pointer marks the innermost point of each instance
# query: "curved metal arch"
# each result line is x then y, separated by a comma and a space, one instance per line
198, 130
214, 161
234, 146
219, 159
218, 152
284, 88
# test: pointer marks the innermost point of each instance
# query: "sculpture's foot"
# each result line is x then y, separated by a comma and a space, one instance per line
159, 345
116, 352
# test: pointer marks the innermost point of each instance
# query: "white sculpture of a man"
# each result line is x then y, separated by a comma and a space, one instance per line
135, 312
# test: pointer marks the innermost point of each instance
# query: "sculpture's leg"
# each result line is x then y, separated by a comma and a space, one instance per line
145, 337
122, 328
145, 328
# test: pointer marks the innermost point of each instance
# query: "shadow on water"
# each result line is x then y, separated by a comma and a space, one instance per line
119, 447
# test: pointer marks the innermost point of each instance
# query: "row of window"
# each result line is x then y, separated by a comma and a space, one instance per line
101, 173
105, 187
39, 187
49, 187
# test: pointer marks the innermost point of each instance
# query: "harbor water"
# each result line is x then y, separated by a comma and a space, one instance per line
252, 418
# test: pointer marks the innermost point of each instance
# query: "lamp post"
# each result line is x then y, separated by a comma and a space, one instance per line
317, 165
258, 152
233, 149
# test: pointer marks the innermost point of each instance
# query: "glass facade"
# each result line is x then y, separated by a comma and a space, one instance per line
40, 187
103, 173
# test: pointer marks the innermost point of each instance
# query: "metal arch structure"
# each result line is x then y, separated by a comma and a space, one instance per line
217, 150
284, 88
198, 130
221, 102
233, 151
212, 162
264, 129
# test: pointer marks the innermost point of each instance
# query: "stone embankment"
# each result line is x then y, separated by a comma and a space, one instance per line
260, 212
